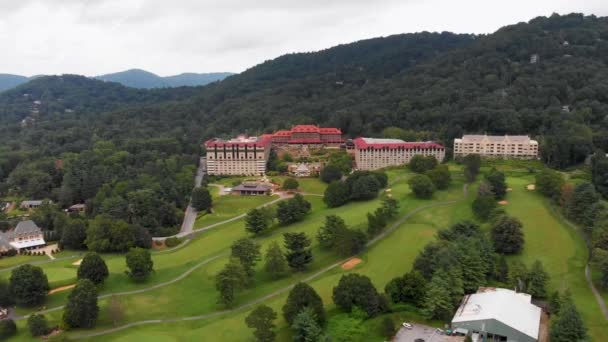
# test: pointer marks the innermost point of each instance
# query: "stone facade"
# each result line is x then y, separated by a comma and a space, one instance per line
373, 154
503, 146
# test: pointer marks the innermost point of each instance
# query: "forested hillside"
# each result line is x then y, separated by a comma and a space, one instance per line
94, 141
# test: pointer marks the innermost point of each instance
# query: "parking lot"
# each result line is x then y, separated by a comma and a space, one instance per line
428, 334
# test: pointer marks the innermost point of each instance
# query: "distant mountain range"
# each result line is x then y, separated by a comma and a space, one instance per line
8, 81
135, 78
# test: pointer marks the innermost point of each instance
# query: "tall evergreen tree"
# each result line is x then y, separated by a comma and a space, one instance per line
229, 280
298, 252
496, 179
537, 280
437, 301
568, 326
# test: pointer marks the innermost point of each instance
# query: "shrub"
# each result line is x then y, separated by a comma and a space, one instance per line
8, 328
37, 325
172, 241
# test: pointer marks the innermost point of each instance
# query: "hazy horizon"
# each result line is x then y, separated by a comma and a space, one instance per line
93, 38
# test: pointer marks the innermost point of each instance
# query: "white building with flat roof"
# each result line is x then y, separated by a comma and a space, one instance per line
499, 315
497, 146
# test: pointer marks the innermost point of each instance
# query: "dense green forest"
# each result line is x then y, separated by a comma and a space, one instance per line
91, 141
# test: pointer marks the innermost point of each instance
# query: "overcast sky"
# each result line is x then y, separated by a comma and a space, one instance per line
93, 37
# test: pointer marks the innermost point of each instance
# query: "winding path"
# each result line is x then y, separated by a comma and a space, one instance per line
313, 276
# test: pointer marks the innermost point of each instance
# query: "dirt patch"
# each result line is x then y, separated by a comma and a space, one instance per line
63, 288
77, 262
503, 202
351, 263
159, 244
531, 187
427, 232
543, 335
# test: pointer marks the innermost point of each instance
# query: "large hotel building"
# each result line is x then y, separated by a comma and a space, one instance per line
311, 135
503, 146
373, 154
245, 156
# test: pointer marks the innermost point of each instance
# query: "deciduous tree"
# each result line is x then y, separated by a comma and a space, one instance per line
81, 310
140, 264
248, 253
275, 262
94, 268
300, 297
28, 285
261, 319
229, 280
507, 235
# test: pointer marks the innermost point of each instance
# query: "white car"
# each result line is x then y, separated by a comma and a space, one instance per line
407, 326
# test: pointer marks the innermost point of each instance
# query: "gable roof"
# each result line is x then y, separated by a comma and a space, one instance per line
26, 227
511, 308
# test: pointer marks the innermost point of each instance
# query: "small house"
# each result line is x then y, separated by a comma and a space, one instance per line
252, 189
30, 204
76, 208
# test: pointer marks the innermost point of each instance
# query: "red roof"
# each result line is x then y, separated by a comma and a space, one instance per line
305, 141
305, 129
360, 144
329, 130
282, 133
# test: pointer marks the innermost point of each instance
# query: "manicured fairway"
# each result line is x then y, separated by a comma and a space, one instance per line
561, 250
228, 206
391, 257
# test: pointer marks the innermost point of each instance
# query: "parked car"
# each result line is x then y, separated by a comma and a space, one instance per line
407, 326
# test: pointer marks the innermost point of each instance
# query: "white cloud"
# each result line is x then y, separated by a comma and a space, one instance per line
100, 36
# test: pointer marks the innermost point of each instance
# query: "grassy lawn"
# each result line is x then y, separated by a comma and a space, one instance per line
391, 257
561, 250
229, 206
311, 185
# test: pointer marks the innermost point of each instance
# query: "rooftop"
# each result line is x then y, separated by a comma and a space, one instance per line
376, 143
495, 138
239, 141
511, 308
252, 187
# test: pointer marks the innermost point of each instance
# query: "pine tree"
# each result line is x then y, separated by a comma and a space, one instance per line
298, 252
537, 280
569, 325
328, 232
496, 179
306, 327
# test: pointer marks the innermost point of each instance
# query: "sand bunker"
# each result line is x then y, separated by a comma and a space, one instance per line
503, 202
63, 288
77, 262
509, 189
531, 187
351, 263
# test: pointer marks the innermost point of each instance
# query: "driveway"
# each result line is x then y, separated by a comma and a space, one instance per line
428, 334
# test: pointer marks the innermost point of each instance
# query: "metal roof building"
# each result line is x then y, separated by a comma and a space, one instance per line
500, 315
